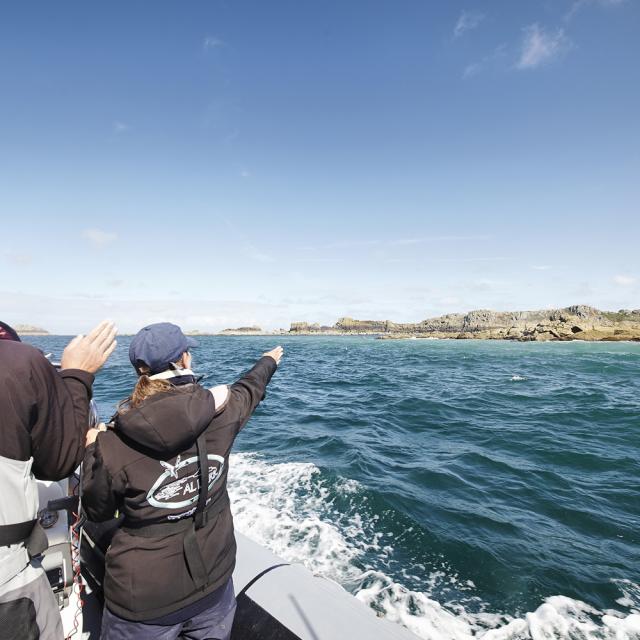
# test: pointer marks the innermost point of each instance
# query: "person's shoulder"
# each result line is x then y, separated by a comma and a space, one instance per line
221, 394
17, 356
116, 453
20, 349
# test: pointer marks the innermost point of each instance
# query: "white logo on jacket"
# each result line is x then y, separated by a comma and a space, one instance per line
183, 491
171, 468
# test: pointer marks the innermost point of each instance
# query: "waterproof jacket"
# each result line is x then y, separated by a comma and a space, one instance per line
147, 468
44, 417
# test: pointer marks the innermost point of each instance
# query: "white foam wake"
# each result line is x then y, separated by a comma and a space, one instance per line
289, 509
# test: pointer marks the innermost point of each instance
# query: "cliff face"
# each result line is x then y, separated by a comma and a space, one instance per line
579, 322
307, 327
370, 326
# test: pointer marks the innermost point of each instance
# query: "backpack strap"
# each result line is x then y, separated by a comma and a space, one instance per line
14, 533
200, 514
159, 528
192, 550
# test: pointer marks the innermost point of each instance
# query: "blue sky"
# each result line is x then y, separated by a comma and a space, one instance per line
224, 163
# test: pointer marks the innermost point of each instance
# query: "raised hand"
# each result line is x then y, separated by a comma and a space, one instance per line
276, 354
90, 352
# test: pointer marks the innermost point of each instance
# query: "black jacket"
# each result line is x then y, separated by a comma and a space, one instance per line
43, 413
147, 468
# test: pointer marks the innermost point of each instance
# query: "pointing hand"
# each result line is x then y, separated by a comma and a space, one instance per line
276, 354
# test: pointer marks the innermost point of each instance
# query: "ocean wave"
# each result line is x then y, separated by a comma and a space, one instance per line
293, 510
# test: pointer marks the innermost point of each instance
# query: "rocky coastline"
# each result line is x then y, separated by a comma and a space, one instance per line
578, 322
243, 331
30, 330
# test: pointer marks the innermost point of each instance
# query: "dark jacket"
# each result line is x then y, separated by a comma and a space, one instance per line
43, 413
147, 467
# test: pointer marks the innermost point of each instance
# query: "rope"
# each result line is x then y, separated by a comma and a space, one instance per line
76, 539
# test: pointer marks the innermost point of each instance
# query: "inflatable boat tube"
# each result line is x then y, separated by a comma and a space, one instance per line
280, 601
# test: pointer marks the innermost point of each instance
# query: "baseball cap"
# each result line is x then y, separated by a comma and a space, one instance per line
158, 345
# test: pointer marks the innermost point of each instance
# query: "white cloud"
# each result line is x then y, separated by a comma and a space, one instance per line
487, 61
541, 267
253, 253
98, 237
467, 21
541, 46
342, 244
624, 280
578, 5
120, 127
211, 42
423, 240
472, 69
18, 258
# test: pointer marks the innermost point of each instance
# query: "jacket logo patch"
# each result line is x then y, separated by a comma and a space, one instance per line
183, 490
171, 468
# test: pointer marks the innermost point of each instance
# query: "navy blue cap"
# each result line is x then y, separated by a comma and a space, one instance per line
158, 345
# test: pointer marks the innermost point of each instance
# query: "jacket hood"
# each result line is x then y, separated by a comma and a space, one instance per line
170, 421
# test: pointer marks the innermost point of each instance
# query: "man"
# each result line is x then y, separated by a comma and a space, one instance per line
44, 418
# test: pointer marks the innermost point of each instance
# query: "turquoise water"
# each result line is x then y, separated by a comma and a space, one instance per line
457, 487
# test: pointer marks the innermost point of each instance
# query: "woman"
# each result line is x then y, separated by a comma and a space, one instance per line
169, 567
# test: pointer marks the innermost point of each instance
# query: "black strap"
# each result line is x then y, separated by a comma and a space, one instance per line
169, 527
30, 532
256, 578
38, 541
192, 550
193, 556
14, 533
200, 515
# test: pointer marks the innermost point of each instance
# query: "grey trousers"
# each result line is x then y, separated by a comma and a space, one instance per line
28, 608
212, 624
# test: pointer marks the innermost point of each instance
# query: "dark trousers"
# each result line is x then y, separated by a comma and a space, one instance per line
213, 623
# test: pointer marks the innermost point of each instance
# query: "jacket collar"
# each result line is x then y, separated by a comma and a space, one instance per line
176, 376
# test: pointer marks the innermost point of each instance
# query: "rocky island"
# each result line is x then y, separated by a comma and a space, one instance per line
578, 322
30, 330
242, 331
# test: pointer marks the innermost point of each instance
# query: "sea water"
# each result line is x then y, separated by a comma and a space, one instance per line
460, 488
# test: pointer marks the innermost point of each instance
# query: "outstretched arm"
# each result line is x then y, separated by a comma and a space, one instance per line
248, 392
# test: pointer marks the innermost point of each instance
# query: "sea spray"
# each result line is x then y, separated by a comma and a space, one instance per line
290, 508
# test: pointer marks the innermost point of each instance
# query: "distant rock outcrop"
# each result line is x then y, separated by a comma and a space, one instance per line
306, 327
579, 322
242, 330
30, 330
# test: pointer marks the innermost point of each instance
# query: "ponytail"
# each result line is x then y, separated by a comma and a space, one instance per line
145, 388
